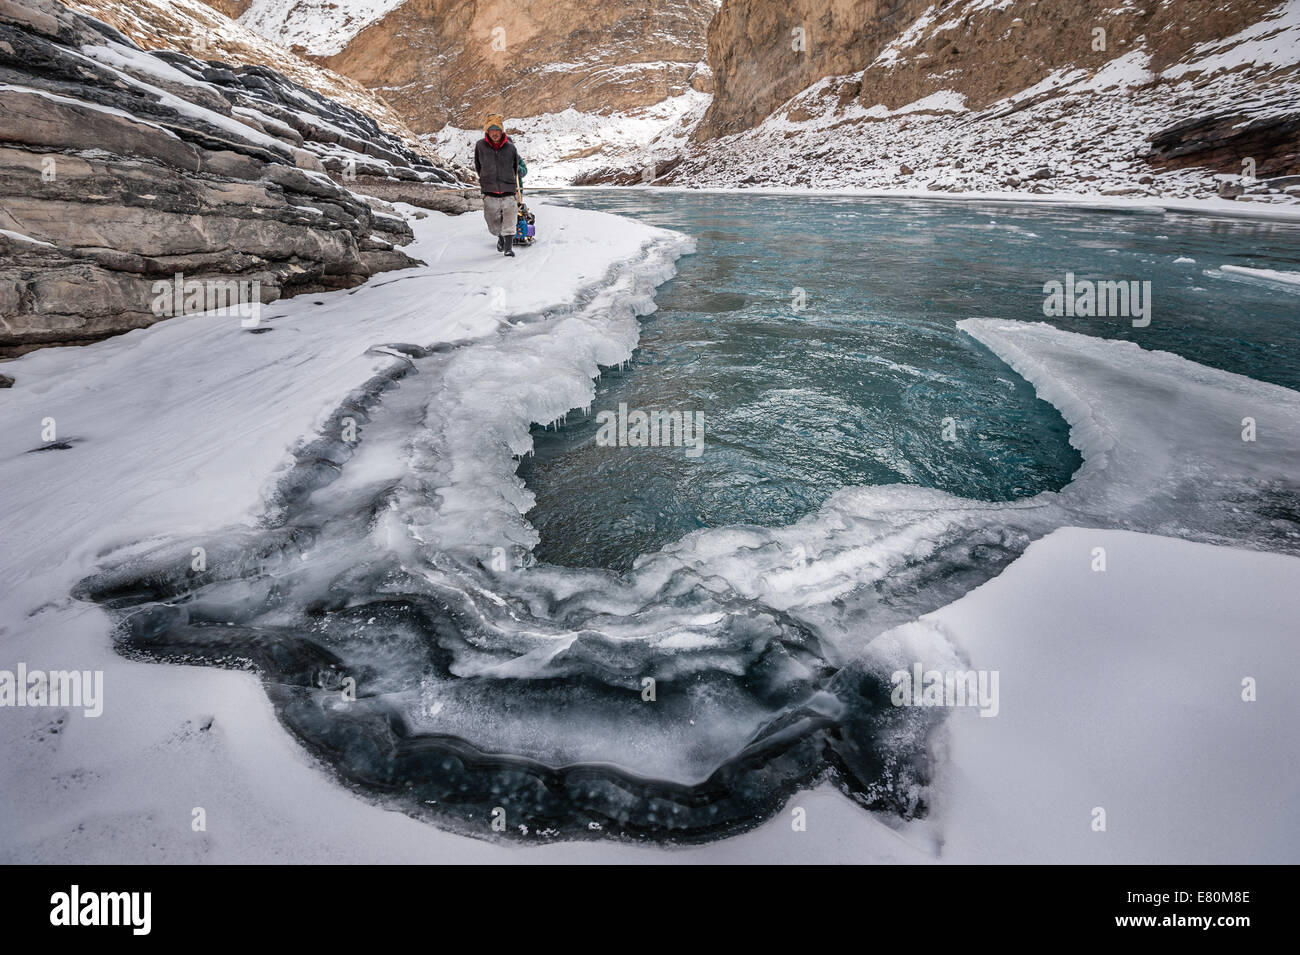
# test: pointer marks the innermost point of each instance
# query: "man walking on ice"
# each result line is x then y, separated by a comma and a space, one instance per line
499, 169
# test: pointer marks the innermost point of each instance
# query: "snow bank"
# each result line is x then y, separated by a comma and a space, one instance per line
1120, 690
174, 432
1123, 690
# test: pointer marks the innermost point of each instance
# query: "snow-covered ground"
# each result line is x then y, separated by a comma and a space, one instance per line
559, 147
1120, 689
321, 27
178, 430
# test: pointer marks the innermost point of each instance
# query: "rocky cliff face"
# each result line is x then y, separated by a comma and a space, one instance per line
120, 168
1170, 97
905, 50
1163, 98
763, 52
441, 61
581, 84
207, 32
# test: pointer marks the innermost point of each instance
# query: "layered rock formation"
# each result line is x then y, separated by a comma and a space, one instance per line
120, 169
1228, 139
204, 31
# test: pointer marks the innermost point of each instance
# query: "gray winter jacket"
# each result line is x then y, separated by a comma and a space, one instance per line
496, 168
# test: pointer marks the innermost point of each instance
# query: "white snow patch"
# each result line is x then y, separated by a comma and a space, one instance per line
19, 237
1131, 69
1285, 280
1273, 42
892, 54
1122, 690
323, 27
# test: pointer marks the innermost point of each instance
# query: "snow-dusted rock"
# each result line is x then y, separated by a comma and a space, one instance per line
121, 168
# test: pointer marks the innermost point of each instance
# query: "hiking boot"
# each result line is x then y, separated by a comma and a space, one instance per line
501, 243
509, 240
